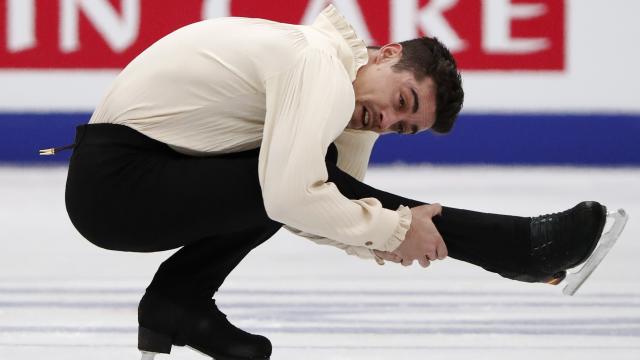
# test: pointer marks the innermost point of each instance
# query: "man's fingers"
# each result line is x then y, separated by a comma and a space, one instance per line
437, 209
424, 262
397, 255
385, 255
406, 262
431, 255
391, 257
442, 250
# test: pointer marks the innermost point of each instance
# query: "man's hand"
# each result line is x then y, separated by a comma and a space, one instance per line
388, 256
422, 241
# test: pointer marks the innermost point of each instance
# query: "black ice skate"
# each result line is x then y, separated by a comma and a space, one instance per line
564, 240
201, 327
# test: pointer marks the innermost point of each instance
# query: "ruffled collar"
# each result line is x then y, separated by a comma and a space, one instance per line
354, 53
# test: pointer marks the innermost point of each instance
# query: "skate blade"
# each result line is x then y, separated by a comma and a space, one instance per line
606, 242
148, 355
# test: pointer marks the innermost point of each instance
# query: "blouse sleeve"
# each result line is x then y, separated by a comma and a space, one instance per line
354, 151
308, 106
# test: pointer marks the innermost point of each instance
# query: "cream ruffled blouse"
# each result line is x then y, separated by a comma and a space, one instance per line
233, 84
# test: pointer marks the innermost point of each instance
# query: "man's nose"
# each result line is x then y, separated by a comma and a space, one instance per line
387, 119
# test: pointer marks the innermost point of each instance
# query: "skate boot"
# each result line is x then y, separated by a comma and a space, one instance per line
564, 240
200, 326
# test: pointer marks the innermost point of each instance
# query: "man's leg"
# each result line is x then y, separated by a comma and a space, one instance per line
499, 243
131, 193
128, 192
179, 299
196, 271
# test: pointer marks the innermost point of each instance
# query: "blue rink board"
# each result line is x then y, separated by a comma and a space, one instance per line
503, 139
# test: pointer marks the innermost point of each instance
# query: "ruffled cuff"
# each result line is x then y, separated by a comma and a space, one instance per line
401, 230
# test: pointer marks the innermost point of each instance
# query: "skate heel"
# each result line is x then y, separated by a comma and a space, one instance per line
556, 278
151, 343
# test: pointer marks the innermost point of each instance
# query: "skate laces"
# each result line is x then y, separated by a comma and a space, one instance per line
545, 229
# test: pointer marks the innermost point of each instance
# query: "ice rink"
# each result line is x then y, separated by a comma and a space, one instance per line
63, 298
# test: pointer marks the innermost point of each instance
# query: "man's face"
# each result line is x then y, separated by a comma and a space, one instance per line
389, 100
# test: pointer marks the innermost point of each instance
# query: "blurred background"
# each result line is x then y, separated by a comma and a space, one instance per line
551, 117
547, 82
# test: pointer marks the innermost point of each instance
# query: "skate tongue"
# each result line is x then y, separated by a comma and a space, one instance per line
606, 242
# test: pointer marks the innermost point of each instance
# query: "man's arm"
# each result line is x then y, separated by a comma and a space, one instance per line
348, 158
308, 106
474, 237
354, 147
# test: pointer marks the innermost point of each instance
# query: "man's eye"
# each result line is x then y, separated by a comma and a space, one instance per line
402, 102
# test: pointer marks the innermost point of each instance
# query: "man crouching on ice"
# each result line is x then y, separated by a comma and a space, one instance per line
224, 130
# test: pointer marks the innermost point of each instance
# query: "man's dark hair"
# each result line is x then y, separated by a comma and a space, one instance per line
428, 57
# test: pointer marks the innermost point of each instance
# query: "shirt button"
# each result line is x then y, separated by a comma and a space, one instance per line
368, 243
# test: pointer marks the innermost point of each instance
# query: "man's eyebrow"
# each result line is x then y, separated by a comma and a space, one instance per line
415, 101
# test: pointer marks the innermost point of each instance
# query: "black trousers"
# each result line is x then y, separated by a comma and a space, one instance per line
128, 192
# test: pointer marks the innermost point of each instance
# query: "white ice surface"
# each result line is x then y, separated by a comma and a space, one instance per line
63, 298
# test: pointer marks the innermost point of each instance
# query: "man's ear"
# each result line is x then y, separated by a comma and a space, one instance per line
389, 52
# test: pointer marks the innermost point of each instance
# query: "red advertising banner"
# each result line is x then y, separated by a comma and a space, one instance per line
93, 34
